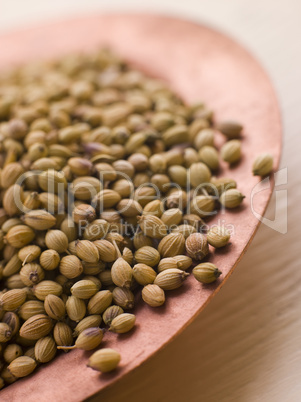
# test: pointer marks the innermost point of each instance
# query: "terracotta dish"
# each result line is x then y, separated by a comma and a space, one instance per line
200, 64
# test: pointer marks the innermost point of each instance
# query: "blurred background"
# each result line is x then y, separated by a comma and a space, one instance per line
246, 345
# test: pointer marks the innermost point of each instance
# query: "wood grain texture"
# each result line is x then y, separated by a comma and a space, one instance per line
245, 346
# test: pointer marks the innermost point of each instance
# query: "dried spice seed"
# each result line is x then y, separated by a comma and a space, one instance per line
172, 217
45, 288
22, 366
13, 266
45, 350
152, 226
155, 207
100, 302
12, 299
69, 228
10, 174
203, 206
19, 236
170, 279
106, 199
13, 321
14, 282
36, 327
183, 261
218, 236
5, 332
75, 308
148, 256
31, 308
231, 151
122, 273
206, 272
88, 339
93, 268
110, 313
203, 138
173, 244
106, 250
176, 199
87, 322
141, 240
32, 201
185, 230
7, 376
9, 223
86, 251
222, 184
71, 266
29, 253
62, 334
197, 246
11, 352
53, 204
84, 289
230, 129
190, 156
39, 219
144, 274
231, 198
122, 323
49, 259
83, 213
199, 174
54, 307
56, 240
124, 298
52, 181
175, 135
167, 263
80, 166
127, 255
30, 353
153, 295
10, 198
104, 360
129, 208
85, 188
209, 156
178, 175
31, 274
263, 165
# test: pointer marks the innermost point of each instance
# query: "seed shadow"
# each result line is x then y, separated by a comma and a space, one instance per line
111, 374
219, 251
127, 335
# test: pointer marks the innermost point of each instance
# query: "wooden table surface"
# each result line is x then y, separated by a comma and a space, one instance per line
246, 345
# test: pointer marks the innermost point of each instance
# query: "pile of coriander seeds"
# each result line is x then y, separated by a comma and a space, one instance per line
106, 181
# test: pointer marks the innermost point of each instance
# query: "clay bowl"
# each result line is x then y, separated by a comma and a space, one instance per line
200, 64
